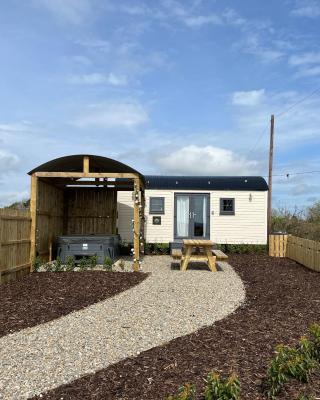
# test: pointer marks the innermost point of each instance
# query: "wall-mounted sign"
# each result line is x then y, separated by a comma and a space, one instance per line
156, 220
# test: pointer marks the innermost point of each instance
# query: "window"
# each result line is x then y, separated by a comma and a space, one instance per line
156, 205
226, 206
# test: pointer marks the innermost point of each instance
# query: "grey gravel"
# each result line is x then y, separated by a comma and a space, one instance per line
166, 305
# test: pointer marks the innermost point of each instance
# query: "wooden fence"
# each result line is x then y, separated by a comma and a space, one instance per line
304, 251
15, 243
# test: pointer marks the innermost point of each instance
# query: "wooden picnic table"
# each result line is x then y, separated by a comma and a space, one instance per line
201, 256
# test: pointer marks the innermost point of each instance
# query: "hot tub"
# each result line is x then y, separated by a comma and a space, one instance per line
80, 246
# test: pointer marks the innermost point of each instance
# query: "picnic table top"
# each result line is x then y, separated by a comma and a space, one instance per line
197, 242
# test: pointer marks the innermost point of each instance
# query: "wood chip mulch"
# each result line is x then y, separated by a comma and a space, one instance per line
44, 296
283, 299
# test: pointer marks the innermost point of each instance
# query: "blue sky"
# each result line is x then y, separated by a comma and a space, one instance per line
168, 87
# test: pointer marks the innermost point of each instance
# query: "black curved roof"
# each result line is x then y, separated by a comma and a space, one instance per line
254, 183
74, 163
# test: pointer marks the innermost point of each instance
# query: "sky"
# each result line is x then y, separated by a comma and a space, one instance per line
168, 87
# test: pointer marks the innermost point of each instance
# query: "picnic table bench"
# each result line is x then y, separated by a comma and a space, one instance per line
202, 253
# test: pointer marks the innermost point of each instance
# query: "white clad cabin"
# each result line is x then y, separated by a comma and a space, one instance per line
225, 209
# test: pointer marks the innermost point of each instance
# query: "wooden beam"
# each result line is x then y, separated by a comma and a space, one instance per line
86, 162
33, 213
87, 175
67, 181
136, 226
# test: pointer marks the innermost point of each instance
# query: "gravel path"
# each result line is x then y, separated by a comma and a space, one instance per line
166, 305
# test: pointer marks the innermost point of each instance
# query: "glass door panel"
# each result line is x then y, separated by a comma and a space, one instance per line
182, 216
199, 215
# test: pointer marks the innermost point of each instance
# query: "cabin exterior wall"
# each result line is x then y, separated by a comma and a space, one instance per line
248, 225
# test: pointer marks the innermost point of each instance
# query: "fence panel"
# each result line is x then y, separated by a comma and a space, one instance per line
304, 251
277, 245
15, 243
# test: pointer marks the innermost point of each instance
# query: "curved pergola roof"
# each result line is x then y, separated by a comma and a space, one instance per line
74, 163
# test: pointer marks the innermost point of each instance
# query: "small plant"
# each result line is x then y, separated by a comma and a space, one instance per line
70, 263
306, 397
83, 264
290, 363
107, 264
93, 261
315, 339
185, 392
57, 265
36, 264
219, 389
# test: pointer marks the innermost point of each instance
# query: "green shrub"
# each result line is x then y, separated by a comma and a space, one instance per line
315, 339
306, 397
93, 260
83, 264
185, 392
36, 264
219, 389
107, 264
157, 248
243, 248
70, 263
289, 363
56, 265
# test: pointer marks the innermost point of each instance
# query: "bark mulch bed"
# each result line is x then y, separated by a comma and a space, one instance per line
44, 296
283, 299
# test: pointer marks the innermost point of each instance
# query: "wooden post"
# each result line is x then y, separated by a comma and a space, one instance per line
142, 219
270, 175
33, 214
136, 225
86, 164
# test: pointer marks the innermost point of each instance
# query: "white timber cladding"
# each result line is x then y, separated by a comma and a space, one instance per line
248, 225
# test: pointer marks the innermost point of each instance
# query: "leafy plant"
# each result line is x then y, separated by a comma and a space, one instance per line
83, 264
243, 248
57, 265
107, 264
290, 363
219, 389
93, 260
306, 397
185, 392
37, 262
70, 263
315, 339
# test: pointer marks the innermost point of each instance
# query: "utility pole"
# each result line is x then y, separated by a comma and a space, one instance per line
270, 176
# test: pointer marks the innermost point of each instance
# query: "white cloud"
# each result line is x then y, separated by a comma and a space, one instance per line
305, 58
8, 198
306, 8
71, 11
110, 115
200, 20
304, 189
309, 71
248, 98
206, 160
253, 45
95, 44
97, 78
8, 162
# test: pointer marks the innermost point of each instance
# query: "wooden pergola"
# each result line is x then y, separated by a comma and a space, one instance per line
77, 194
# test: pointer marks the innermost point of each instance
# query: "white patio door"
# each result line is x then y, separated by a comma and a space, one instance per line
192, 217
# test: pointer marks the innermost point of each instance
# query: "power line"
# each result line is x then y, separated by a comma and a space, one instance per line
298, 102
280, 114
294, 173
